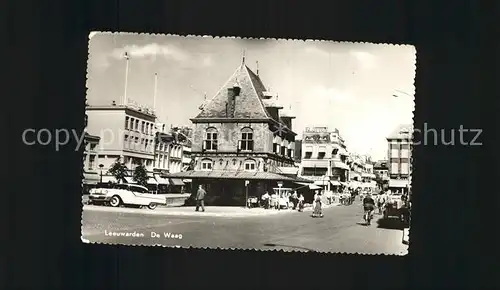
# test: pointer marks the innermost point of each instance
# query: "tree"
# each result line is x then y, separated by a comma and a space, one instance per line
140, 175
118, 170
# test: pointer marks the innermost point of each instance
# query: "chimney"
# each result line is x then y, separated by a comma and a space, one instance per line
113, 103
232, 93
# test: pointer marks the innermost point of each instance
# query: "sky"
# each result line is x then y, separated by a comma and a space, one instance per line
344, 85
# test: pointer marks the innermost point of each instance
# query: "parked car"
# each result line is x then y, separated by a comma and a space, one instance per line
125, 194
393, 206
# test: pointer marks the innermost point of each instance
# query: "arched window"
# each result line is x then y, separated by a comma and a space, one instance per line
206, 164
250, 165
246, 142
210, 142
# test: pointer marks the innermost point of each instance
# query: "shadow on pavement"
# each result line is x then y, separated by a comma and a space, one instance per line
288, 246
391, 224
362, 224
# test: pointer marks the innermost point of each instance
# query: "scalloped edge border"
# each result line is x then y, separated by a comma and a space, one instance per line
415, 68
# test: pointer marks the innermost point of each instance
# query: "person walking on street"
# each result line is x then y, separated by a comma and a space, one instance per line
200, 198
301, 203
318, 205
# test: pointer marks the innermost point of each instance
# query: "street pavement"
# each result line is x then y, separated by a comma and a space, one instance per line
340, 230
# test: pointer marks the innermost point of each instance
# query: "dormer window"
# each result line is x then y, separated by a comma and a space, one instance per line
250, 165
246, 142
210, 142
206, 165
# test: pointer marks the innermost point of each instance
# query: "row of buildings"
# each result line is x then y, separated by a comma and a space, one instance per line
133, 136
241, 143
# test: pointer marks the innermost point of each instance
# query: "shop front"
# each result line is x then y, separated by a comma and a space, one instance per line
232, 188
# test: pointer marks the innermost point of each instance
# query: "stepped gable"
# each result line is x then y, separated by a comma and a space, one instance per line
247, 104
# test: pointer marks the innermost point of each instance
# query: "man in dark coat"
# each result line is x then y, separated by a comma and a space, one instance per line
200, 198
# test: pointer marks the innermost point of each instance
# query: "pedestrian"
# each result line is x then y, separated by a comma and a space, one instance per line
265, 200
301, 203
200, 198
295, 199
318, 205
381, 202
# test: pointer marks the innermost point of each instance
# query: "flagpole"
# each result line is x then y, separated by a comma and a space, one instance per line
155, 92
126, 79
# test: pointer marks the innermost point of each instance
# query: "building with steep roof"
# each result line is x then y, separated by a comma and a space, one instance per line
241, 139
399, 157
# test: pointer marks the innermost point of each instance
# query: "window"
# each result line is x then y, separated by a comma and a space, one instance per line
142, 127
246, 143
394, 153
404, 168
276, 148
250, 165
405, 153
136, 145
138, 189
394, 168
91, 162
92, 146
283, 150
127, 119
321, 152
146, 145
125, 142
395, 146
314, 171
206, 165
210, 143
136, 125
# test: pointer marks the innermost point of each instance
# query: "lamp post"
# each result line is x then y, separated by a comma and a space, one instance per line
100, 167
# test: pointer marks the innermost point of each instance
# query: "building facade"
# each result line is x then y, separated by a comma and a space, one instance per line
381, 170
324, 157
127, 134
240, 141
399, 157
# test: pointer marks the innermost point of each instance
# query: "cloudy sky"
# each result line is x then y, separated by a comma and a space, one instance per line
345, 85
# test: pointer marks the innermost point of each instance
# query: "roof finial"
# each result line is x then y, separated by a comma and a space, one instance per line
257, 67
243, 58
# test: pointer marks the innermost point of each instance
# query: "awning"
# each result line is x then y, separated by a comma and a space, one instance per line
91, 178
399, 183
129, 179
187, 180
313, 187
161, 180
302, 183
321, 182
109, 178
288, 170
152, 180
335, 182
338, 164
175, 181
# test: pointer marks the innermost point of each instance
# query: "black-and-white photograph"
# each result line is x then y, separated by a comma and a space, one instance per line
231, 143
